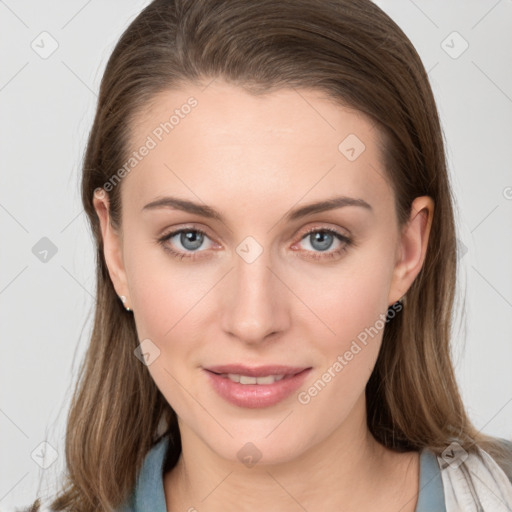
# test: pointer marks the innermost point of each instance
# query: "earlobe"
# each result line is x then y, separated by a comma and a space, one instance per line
413, 247
112, 244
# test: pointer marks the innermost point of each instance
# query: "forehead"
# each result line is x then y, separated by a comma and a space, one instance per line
223, 142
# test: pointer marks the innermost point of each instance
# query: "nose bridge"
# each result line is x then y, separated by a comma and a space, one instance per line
256, 305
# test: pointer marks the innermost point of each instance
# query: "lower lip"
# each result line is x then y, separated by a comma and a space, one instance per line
256, 395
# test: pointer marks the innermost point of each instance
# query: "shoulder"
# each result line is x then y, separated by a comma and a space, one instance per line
475, 478
506, 457
148, 490
502, 455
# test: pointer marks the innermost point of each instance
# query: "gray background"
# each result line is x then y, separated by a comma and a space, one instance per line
47, 104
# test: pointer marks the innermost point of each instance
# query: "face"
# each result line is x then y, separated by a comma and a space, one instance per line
264, 280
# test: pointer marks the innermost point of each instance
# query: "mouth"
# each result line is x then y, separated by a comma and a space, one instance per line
257, 386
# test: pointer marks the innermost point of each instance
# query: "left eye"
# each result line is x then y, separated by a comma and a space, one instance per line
322, 239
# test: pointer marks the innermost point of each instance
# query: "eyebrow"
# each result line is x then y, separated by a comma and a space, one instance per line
209, 212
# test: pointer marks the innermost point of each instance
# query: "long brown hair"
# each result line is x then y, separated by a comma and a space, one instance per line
351, 50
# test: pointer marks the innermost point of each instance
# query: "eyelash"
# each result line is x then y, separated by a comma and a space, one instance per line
347, 242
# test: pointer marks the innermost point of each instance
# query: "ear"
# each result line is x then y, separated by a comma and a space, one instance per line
412, 247
112, 244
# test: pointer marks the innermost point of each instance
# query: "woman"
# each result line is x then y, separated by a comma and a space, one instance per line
276, 258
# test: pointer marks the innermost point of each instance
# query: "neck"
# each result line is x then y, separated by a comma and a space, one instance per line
347, 470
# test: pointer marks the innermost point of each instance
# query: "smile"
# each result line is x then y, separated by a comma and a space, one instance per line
255, 391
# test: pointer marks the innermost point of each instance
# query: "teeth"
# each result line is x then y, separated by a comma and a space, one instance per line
245, 379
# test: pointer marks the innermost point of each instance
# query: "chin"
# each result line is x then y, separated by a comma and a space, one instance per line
257, 450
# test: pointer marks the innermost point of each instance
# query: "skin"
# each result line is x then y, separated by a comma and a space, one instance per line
253, 159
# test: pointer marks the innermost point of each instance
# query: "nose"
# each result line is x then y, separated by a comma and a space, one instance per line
256, 302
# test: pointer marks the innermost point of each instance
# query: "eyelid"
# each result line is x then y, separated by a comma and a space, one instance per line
325, 227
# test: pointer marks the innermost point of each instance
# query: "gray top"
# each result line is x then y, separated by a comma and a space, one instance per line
149, 495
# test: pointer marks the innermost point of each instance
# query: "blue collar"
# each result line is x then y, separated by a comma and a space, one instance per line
149, 489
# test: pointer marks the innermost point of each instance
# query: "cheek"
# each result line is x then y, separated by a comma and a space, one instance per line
351, 304
162, 290
171, 303
166, 299
351, 299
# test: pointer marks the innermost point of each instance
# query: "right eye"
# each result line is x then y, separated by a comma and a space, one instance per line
191, 239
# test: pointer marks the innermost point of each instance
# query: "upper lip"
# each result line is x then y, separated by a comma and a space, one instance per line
256, 371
